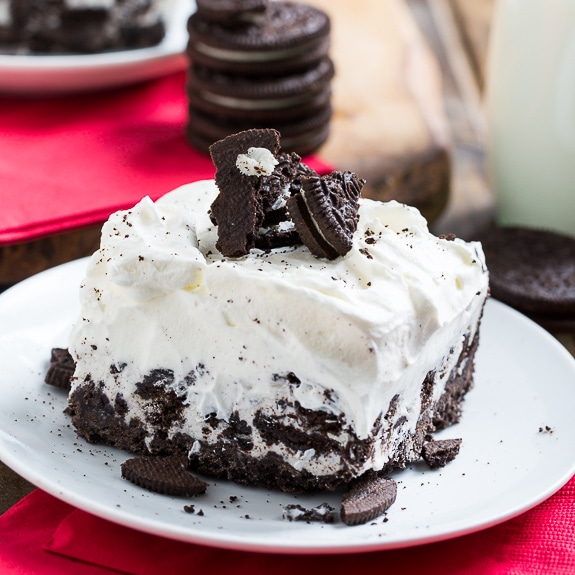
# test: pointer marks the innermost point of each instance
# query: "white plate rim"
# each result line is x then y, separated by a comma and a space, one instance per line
354, 539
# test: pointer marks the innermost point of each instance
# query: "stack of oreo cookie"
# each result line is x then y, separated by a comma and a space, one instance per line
255, 64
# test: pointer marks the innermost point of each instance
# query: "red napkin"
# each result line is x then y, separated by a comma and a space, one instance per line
41, 535
70, 161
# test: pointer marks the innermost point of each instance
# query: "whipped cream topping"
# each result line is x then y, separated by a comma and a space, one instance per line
355, 331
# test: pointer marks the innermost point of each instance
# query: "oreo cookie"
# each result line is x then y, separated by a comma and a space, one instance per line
166, 475
264, 99
325, 214
259, 67
367, 498
533, 271
439, 452
299, 136
237, 210
288, 36
61, 368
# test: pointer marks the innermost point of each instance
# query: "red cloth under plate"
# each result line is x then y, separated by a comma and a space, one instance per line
42, 535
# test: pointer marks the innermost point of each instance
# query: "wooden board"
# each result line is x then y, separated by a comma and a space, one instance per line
473, 19
389, 123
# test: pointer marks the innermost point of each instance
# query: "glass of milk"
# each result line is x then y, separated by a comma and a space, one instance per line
530, 106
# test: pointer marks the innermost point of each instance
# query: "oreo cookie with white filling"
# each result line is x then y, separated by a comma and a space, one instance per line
287, 36
256, 66
266, 98
325, 214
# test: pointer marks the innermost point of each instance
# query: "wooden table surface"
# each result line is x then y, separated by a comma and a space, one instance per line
457, 32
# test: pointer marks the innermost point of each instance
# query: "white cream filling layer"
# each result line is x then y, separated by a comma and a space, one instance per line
244, 104
258, 56
355, 331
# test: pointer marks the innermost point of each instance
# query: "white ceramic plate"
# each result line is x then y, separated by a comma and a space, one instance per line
42, 75
517, 450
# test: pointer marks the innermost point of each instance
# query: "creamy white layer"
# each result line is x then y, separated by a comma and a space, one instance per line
364, 327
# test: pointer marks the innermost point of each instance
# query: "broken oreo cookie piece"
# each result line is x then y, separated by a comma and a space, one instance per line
325, 212
237, 209
167, 475
439, 452
368, 497
61, 368
270, 200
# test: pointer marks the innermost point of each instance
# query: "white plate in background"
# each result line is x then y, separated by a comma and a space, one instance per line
39, 75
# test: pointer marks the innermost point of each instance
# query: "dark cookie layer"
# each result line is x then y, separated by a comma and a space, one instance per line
325, 213
367, 498
531, 270
61, 368
167, 475
439, 452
